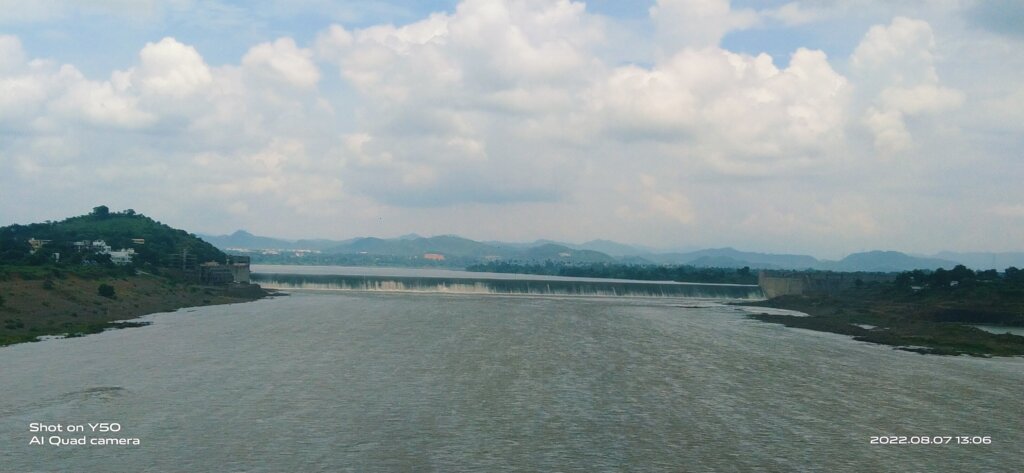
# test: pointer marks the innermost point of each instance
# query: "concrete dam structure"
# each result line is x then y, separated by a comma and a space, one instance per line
775, 284
506, 286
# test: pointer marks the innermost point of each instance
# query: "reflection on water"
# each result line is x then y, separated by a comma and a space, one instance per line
435, 382
341, 278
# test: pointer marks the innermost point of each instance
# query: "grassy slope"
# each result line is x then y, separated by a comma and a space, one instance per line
925, 323
73, 305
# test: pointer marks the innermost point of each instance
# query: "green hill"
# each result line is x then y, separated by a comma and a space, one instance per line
153, 242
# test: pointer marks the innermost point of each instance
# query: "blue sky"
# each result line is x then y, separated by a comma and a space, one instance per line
815, 126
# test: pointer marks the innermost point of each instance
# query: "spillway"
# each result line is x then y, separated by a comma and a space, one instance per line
469, 285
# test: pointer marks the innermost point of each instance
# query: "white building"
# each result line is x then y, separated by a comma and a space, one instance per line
122, 256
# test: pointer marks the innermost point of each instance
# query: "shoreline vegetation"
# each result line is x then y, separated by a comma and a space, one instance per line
40, 301
920, 320
675, 273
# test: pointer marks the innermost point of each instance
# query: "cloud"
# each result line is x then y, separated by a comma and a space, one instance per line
12, 56
98, 103
895, 64
794, 14
529, 117
169, 68
697, 23
739, 107
462, 101
283, 61
900, 53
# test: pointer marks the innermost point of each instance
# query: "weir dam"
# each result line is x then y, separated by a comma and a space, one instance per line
459, 282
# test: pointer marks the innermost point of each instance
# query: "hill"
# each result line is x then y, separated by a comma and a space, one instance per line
887, 262
65, 282
152, 242
732, 258
409, 249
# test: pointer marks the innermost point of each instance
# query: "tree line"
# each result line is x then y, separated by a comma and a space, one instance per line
679, 273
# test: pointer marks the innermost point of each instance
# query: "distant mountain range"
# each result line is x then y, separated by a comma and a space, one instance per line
605, 251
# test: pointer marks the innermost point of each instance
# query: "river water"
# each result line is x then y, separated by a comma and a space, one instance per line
374, 381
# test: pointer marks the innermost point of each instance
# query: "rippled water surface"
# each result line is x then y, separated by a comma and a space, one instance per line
436, 382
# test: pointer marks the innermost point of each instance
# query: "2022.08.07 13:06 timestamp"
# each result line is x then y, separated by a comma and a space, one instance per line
931, 440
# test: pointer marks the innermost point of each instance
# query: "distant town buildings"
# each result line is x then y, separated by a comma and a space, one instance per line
433, 257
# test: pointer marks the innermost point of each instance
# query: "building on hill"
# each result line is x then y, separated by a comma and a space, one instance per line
239, 266
433, 257
215, 273
36, 244
122, 256
100, 247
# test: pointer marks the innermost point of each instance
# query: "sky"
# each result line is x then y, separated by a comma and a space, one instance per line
820, 127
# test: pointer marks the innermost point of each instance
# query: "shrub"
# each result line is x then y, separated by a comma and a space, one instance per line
106, 290
48, 284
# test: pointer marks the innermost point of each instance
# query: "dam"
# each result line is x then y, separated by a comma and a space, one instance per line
461, 282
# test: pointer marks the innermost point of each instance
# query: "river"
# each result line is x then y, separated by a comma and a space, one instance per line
392, 381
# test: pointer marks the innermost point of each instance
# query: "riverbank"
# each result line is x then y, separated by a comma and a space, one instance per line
928, 325
70, 304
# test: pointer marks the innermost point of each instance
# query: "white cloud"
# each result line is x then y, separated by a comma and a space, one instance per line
794, 14
900, 53
12, 57
459, 100
889, 130
921, 98
99, 104
697, 23
895, 67
170, 68
523, 116
282, 60
739, 107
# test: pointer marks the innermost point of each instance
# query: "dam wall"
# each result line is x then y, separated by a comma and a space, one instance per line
775, 284
506, 286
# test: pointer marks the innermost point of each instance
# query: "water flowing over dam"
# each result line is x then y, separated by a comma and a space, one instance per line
505, 285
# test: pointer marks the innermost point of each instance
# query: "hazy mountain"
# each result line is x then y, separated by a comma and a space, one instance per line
887, 261
611, 248
555, 252
244, 239
736, 258
448, 245
607, 247
605, 251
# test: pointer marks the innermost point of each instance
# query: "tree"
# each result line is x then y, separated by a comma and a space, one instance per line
106, 290
961, 273
101, 212
904, 280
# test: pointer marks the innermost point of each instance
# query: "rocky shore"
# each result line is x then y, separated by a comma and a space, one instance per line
928, 326
69, 304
